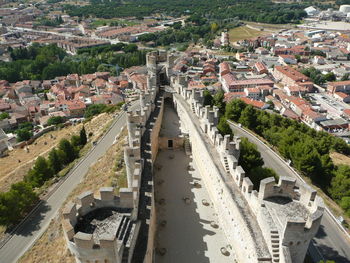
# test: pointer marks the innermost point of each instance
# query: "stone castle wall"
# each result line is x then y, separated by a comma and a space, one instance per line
241, 209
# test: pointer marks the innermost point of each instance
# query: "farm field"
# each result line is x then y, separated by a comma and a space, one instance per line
244, 32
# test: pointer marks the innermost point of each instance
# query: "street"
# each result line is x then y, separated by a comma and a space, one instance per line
330, 241
37, 222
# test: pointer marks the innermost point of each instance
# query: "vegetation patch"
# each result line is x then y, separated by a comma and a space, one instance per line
51, 246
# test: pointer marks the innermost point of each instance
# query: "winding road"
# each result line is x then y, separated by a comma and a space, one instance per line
330, 242
34, 225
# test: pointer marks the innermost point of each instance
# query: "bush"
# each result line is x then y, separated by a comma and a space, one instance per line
94, 109
4, 115
39, 173
24, 135
55, 120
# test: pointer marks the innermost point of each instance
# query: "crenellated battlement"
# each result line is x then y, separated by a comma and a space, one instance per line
100, 226
287, 214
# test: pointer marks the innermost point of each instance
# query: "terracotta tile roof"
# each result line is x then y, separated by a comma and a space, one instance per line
229, 79
260, 66
234, 95
254, 103
342, 95
195, 85
339, 83
292, 73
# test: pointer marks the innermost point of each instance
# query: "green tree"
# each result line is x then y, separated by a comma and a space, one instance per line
345, 204
4, 115
214, 27
75, 142
39, 173
130, 48
219, 101
234, 109
259, 173
23, 135
83, 137
15, 203
55, 120
340, 185
69, 153
306, 159
94, 109
208, 99
249, 157
55, 160
223, 127
248, 117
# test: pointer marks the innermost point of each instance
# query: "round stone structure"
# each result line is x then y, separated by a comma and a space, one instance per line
100, 229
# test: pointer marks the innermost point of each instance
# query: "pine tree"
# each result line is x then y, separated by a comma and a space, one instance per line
55, 161
69, 152
40, 172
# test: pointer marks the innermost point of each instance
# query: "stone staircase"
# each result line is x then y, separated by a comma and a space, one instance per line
227, 168
193, 109
275, 243
187, 146
123, 235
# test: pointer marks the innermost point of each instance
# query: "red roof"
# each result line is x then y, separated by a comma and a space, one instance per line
254, 103
291, 73
233, 95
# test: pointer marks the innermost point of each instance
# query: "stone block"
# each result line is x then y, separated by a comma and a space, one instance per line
86, 198
83, 240
107, 193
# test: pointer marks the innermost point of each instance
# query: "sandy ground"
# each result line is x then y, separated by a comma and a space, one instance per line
12, 171
184, 222
51, 247
187, 235
326, 25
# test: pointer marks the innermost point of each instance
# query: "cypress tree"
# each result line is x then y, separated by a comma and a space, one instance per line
83, 137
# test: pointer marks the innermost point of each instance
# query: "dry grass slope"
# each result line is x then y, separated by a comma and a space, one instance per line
12, 171
50, 247
244, 32
339, 158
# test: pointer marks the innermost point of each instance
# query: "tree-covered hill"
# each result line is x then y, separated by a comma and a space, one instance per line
39, 62
251, 10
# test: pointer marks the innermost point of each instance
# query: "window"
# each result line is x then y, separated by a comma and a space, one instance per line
170, 143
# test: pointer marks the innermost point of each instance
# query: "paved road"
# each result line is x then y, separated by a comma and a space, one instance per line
33, 227
330, 241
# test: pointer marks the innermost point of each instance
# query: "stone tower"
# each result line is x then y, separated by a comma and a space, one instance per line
100, 228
